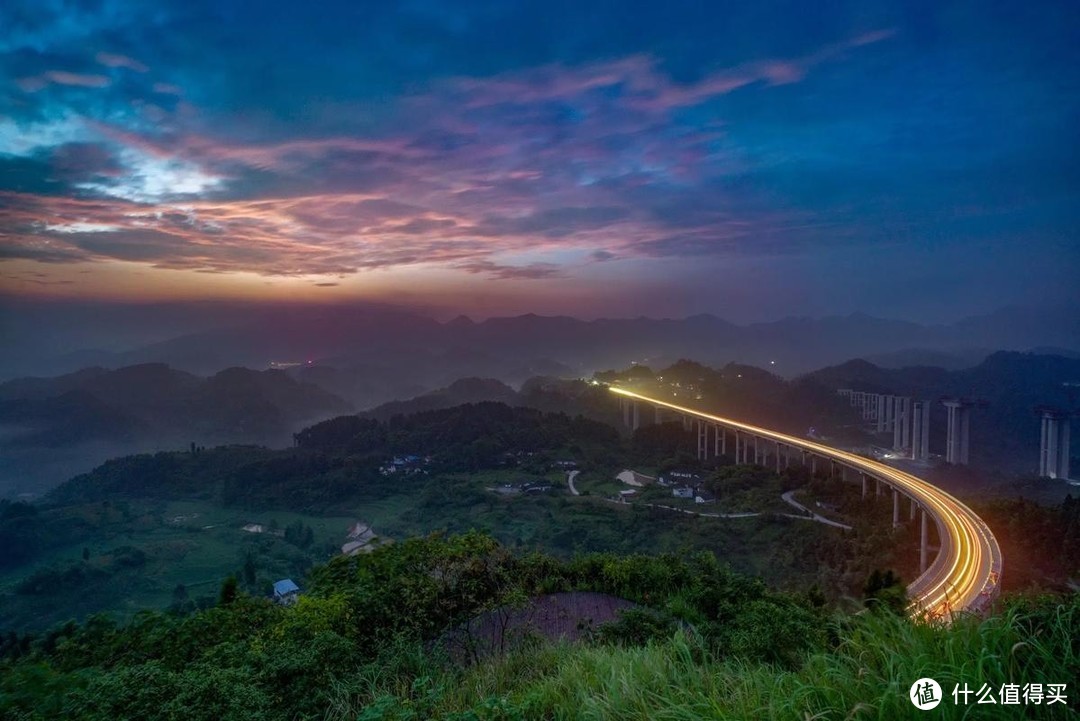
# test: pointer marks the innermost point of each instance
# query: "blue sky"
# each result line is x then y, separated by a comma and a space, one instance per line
754, 160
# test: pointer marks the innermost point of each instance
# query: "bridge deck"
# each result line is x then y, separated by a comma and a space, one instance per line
965, 575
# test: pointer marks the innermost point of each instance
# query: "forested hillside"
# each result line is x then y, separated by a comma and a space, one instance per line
377, 637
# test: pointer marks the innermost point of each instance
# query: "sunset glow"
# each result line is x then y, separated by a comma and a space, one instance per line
412, 156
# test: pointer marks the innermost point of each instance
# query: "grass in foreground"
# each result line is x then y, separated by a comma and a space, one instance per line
866, 675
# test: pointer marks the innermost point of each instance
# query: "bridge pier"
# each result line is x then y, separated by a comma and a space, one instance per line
958, 432
967, 591
920, 430
923, 546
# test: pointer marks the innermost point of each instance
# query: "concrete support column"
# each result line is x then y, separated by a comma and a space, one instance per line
877, 488
901, 423
920, 430
958, 438
914, 507
895, 508
778, 456
723, 439
1054, 447
626, 412
1044, 465
813, 465
923, 543
702, 441
756, 459
1063, 450
864, 486
717, 432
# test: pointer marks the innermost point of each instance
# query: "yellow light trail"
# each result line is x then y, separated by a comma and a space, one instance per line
966, 574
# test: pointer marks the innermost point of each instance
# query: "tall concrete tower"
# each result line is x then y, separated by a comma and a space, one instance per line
958, 434
902, 424
920, 430
1054, 449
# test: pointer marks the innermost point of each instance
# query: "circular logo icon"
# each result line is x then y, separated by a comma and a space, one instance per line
925, 694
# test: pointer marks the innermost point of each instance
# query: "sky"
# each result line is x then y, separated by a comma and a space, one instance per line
754, 160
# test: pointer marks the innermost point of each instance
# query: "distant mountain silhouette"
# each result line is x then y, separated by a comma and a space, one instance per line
949, 360
403, 348
46, 424
466, 390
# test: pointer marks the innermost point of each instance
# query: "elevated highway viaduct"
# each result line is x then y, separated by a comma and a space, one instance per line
965, 574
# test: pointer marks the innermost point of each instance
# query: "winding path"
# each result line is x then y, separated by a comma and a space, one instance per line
789, 498
570, 481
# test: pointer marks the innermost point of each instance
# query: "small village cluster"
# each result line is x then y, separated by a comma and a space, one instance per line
686, 485
409, 465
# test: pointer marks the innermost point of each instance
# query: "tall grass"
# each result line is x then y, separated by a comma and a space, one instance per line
865, 675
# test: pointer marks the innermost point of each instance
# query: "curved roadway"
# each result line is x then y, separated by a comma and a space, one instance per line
966, 574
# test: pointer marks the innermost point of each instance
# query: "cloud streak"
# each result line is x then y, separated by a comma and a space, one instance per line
535, 146
478, 168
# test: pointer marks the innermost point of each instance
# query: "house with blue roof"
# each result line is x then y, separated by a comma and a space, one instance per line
286, 592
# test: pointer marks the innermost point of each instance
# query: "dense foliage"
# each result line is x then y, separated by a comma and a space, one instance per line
249, 658
363, 642
1041, 543
462, 438
339, 459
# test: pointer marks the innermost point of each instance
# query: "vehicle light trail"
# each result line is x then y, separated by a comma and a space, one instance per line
965, 575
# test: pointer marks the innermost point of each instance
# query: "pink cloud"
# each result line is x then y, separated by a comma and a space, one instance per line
456, 184
642, 84
61, 77
113, 60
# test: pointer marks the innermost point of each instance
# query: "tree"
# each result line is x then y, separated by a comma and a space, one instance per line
229, 592
249, 570
180, 593
884, 589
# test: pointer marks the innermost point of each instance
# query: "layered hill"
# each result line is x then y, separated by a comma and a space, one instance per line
53, 427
